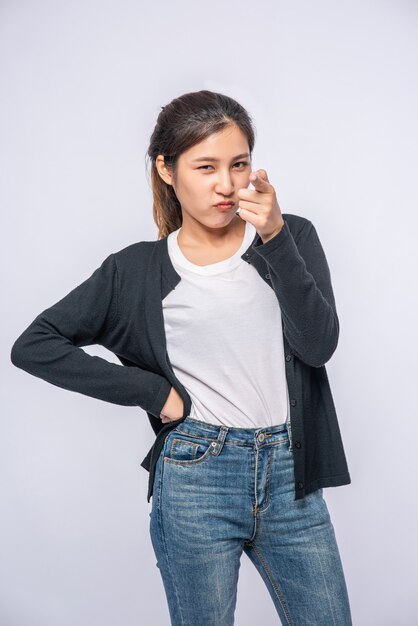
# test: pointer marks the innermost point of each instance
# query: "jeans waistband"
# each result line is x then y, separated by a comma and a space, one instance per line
249, 436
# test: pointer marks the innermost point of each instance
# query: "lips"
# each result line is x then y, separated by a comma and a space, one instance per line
225, 205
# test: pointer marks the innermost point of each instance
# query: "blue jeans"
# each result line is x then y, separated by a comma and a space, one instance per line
219, 491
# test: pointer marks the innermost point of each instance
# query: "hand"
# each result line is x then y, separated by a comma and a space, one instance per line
260, 206
173, 408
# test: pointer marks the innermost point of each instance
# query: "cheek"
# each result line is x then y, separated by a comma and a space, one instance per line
195, 195
197, 186
244, 179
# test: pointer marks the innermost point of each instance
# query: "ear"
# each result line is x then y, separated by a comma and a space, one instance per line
163, 170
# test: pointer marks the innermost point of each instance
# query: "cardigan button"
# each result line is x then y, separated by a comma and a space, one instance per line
293, 402
268, 276
288, 357
247, 255
298, 444
300, 485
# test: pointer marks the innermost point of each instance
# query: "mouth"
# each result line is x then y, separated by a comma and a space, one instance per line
225, 206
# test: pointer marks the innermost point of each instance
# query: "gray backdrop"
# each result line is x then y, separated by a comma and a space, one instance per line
332, 88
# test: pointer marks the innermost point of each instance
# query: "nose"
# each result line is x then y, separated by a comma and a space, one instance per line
224, 184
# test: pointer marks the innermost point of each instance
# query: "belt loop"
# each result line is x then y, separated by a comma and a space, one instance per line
218, 445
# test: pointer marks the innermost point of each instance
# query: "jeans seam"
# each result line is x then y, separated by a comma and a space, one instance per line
163, 540
274, 585
160, 475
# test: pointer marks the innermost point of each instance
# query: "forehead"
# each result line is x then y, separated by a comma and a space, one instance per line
225, 144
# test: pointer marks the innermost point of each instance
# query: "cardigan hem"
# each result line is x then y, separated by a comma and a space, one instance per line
324, 481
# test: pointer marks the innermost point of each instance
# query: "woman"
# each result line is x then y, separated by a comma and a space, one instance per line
224, 325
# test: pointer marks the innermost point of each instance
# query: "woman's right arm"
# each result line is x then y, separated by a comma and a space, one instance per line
51, 347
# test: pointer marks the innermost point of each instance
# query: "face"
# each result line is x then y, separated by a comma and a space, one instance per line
210, 172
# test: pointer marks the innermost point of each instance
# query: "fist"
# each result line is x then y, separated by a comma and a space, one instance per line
260, 206
173, 408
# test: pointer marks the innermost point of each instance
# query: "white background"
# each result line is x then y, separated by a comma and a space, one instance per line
332, 87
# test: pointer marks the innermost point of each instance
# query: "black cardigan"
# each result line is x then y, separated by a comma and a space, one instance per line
120, 307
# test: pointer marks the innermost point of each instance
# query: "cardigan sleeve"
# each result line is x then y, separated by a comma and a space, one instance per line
51, 346
301, 280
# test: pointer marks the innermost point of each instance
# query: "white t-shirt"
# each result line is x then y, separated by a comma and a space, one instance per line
223, 326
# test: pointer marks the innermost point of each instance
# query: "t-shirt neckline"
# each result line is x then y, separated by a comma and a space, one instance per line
212, 268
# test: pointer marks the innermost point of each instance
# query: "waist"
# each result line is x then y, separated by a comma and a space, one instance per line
196, 428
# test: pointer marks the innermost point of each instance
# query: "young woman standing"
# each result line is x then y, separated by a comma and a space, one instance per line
236, 314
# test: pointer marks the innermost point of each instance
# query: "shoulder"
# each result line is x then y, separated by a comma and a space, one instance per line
140, 251
133, 253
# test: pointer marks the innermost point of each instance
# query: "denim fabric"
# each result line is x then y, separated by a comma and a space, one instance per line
219, 491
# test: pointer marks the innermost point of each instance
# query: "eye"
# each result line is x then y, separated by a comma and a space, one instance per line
243, 163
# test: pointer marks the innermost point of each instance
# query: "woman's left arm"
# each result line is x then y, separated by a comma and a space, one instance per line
298, 270
301, 280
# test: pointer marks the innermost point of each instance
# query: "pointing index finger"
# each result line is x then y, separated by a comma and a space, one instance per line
260, 183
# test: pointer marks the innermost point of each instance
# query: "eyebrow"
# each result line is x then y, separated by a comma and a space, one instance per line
207, 158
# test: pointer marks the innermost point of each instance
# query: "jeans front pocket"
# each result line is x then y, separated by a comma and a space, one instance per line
187, 450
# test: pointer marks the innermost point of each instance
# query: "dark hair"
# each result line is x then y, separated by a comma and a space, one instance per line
181, 124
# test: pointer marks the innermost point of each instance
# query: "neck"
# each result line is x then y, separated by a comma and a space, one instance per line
193, 233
